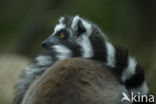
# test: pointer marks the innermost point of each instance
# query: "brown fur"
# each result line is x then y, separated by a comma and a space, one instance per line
75, 81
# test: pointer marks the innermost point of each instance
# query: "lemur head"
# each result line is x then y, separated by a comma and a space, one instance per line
70, 29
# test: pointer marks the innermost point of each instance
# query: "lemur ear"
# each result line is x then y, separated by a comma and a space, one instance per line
80, 27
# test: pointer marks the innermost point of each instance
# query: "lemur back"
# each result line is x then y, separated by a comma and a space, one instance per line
76, 81
77, 37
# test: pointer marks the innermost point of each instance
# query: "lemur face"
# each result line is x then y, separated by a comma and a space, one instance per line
69, 29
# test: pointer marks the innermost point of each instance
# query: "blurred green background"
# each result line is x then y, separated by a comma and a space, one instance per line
24, 24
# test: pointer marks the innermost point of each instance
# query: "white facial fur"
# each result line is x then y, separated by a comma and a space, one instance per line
58, 27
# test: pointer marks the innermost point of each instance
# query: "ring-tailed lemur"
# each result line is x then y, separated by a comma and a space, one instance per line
77, 37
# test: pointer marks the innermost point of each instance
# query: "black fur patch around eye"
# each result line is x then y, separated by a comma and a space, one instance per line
66, 35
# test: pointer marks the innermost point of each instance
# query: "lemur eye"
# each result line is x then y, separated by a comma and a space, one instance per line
61, 35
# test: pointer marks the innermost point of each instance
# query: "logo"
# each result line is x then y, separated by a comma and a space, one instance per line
137, 97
